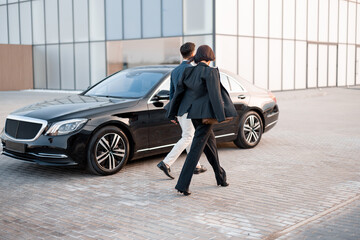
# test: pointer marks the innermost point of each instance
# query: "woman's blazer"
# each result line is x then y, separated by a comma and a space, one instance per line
201, 94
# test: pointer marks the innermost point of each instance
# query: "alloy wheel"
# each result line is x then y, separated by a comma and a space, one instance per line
252, 129
110, 151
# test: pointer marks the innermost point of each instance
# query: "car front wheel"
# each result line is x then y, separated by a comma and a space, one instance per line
250, 130
108, 151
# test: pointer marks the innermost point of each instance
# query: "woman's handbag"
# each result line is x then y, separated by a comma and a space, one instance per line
215, 121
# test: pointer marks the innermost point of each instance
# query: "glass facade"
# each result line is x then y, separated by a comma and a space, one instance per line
132, 53
292, 44
151, 18
14, 23
277, 44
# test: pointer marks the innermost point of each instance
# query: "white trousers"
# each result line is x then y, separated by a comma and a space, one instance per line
187, 135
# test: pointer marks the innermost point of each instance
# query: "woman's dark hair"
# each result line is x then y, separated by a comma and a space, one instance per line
204, 52
187, 49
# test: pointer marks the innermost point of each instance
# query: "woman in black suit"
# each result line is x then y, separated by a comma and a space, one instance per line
201, 94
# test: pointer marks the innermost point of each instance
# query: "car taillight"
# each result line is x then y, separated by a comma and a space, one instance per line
272, 97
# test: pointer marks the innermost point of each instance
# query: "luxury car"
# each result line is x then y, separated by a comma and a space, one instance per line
123, 117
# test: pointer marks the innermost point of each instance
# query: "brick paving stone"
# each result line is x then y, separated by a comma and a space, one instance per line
307, 164
344, 223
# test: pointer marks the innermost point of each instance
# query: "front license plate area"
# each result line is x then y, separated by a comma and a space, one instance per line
15, 147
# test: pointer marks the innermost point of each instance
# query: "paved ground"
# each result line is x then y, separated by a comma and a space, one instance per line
301, 182
341, 224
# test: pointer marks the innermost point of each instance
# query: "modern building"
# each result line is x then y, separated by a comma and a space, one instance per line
276, 44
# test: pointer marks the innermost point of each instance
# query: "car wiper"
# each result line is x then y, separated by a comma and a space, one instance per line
108, 96
113, 96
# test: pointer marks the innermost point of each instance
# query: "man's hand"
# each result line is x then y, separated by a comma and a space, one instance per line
174, 121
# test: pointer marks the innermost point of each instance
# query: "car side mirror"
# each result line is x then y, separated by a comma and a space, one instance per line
162, 95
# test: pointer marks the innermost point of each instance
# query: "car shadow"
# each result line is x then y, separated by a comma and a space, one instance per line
227, 145
23, 168
157, 158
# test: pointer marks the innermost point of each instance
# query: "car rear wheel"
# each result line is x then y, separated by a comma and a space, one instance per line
250, 130
108, 151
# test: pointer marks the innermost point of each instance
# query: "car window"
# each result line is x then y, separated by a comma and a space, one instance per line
235, 85
224, 81
165, 85
126, 84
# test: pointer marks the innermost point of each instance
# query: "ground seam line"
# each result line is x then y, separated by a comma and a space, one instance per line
313, 218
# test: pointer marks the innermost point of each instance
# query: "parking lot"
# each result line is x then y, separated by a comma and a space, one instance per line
301, 182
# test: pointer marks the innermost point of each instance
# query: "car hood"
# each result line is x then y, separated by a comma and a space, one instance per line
76, 105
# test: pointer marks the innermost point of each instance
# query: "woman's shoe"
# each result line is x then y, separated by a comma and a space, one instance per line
224, 184
186, 193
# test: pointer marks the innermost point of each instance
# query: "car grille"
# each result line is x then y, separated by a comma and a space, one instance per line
22, 129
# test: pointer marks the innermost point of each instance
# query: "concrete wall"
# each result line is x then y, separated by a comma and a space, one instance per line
16, 67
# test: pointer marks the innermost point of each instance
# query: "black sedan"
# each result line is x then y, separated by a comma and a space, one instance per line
122, 118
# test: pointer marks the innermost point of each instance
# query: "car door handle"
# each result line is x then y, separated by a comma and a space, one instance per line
241, 97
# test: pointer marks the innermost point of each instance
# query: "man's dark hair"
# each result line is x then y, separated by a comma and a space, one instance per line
204, 52
187, 49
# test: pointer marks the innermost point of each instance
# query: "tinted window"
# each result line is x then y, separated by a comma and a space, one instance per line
224, 81
235, 85
126, 84
165, 85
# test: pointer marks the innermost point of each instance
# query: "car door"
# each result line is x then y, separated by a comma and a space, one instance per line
162, 131
238, 94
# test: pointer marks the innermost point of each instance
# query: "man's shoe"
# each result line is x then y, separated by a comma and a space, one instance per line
223, 184
165, 169
201, 169
186, 193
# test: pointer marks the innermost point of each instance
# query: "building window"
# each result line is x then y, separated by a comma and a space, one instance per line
97, 20
172, 17
51, 21
198, 17
97, 61
14, 25
81, 20
66, 21
25, 23
132, 53
151, 19
132, 19
114, 20
3, 25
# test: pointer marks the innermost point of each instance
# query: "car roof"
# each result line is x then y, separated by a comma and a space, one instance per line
155, 67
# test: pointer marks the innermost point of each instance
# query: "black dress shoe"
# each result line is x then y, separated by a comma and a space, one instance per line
186, 193
224, 184
201, 169
165, 169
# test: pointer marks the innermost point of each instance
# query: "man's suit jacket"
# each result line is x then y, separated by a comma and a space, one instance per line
201, 94
176, 75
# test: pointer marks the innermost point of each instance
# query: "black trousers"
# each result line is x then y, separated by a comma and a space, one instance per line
203, 141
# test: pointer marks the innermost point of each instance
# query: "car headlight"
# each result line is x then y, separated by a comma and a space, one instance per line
65, 127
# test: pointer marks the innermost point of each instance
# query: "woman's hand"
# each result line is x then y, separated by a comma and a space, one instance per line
174, 121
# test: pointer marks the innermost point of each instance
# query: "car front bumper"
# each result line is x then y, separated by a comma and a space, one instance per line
41, 158
67, 150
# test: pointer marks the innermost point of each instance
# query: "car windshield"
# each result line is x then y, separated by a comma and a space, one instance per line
126, 84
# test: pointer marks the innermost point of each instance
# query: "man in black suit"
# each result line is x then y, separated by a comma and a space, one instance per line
187, 51
201, 95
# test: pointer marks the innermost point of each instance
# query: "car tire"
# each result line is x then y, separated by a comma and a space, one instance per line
250, 130
108, 151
